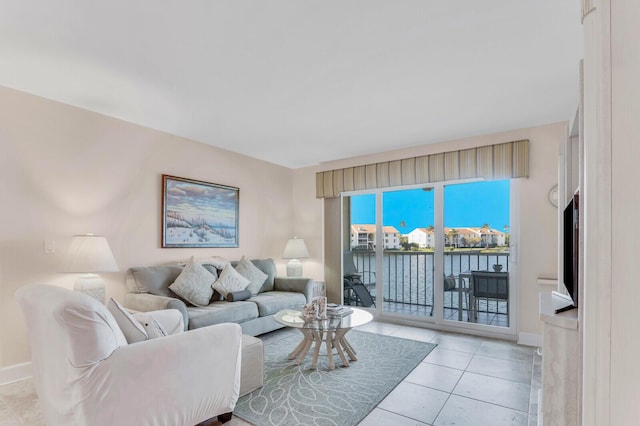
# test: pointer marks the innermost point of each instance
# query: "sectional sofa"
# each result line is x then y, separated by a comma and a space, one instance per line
149, 289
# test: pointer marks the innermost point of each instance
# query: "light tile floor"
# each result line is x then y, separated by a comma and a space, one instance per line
465, 380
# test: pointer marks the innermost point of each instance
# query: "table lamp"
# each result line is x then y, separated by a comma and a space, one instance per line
89, 254
295, 250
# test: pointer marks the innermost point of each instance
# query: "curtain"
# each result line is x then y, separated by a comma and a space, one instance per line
499, 161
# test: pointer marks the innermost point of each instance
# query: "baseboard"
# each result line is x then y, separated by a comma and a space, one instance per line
16, 372
530, 339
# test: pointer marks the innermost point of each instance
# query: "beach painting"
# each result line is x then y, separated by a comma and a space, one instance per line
199, 214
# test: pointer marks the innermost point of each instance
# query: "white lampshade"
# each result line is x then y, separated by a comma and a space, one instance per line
294, 250
89, 254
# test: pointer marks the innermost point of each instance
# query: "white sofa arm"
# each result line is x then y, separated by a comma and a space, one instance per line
170, 320
181, 379
145, 302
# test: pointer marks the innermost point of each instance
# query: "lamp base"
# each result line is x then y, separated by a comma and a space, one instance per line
294, 268
91, 285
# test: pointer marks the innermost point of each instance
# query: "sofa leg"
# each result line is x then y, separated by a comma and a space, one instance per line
223, 418
213, 421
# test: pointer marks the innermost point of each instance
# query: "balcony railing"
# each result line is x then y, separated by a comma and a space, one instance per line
409, 276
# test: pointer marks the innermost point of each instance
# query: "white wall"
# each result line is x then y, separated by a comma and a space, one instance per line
625, 197
537, 248
65, 171
611, 373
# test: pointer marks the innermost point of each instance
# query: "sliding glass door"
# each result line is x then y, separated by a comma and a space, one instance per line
359, 251
439, 253
476, 253
407, 252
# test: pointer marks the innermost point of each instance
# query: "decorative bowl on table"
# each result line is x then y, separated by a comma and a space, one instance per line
293, 317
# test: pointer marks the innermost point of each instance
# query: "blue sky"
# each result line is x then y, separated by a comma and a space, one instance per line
471, 204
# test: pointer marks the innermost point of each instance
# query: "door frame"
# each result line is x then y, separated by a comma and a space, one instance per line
437, 321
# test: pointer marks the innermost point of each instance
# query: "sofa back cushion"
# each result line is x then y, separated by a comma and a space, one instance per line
155, 279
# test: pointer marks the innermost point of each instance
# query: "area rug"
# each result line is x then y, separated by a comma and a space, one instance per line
298, 395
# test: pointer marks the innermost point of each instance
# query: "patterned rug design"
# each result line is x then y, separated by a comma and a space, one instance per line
298, 395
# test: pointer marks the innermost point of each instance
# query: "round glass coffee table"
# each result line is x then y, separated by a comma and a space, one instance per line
331, 331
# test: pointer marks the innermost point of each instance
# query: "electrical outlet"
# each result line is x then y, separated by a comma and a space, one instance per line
49, 246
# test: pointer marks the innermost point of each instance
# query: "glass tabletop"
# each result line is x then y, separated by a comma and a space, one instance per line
291, 318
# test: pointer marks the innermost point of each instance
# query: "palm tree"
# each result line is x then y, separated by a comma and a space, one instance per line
453, 236
506, 237
484, 233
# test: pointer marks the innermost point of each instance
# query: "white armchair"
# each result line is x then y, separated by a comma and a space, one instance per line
85, 373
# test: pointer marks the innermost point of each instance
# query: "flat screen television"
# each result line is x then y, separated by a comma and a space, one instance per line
570, 246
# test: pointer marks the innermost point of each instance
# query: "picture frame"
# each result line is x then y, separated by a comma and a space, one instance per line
199, 214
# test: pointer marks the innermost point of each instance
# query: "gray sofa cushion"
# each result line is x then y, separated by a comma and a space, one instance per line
273, 301
219, 312
267, 266
156, 279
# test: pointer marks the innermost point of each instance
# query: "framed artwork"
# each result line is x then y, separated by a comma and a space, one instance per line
199, 214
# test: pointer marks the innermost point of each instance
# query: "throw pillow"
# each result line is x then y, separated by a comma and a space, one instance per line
230, 280
267, 266
236, 296
132, 330
194, 284
253, 274
151, 326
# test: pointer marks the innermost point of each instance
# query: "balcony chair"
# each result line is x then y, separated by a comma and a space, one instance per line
355, 290
489, 285
85, 372
450, 284
453, 285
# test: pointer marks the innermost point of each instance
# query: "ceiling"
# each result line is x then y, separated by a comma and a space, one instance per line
296, 82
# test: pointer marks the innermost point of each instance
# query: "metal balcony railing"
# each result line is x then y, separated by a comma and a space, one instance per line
409, 276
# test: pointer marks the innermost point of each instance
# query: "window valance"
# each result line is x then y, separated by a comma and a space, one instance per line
499, 161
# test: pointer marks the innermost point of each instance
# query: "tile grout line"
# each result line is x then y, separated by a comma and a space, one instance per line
500, 378
456, 385
491, 403
466, 370
398, 414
